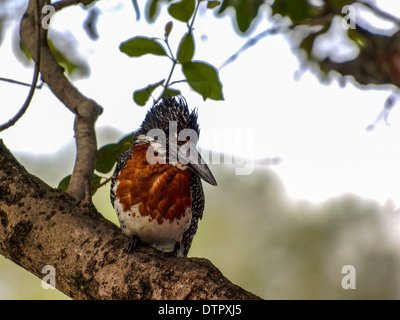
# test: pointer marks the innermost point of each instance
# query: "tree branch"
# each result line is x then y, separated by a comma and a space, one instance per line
42, 226
27, 102
85, 109
35, 78
59, 5
40, 86
382, 14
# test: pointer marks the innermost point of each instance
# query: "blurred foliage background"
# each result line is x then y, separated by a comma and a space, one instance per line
262, 240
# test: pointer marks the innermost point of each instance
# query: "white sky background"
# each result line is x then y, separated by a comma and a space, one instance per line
317, 130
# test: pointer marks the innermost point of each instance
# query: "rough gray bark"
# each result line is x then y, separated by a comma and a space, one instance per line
42, 226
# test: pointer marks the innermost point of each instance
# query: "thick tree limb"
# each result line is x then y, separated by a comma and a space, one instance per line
85, 109
42, 226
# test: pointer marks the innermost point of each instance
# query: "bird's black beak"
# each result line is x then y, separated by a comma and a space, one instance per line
204, 172
196, 163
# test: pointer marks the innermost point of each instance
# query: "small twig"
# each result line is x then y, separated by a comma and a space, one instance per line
170, 75
190, 27
177, 81
59, 5
26, 104
384, 114
169, 49
40, 86
175, 60
252, 41
101, 184
35, 78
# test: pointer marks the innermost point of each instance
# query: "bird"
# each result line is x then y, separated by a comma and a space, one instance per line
156, 187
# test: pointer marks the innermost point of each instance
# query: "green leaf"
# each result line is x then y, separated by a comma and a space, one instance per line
338, 4
152, 10
64, 183
182, 10
79, 67
356, 36
186, 48
169, 92
298, 11
138, 46
126, 141
108, 154
95, 182
24, 51
106, 157
141, 96
212, 4
246, 11
203, 78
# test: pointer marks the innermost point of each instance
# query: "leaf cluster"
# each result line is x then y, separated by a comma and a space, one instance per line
201, 76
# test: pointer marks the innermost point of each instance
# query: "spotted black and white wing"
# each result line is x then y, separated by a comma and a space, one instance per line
196, 190
122, 159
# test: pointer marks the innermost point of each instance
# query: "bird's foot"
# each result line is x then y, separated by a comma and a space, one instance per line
132, 244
